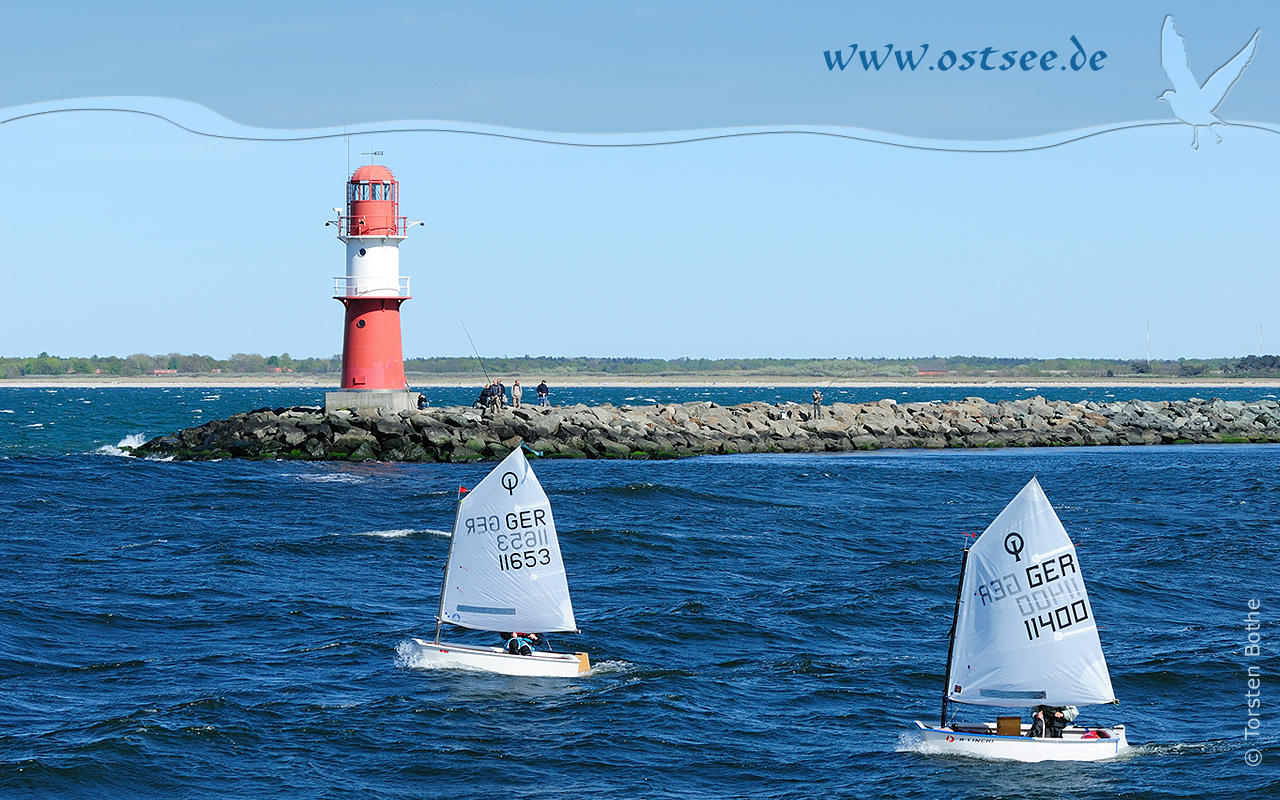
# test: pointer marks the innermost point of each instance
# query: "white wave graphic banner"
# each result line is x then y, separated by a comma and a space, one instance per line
202, 121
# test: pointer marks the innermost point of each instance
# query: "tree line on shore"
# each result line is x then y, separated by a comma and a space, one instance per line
557, 366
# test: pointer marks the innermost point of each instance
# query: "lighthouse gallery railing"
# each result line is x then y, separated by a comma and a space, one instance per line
368, 286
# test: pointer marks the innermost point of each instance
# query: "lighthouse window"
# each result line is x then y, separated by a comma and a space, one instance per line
362, 251
359, 323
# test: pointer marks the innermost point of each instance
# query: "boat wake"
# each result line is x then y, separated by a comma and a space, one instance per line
410, 656
1181, 748
610, 668
912, 742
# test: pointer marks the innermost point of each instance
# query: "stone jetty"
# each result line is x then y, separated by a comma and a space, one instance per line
689, 429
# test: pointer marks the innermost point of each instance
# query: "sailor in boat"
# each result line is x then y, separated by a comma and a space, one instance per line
521, 644
1049, 721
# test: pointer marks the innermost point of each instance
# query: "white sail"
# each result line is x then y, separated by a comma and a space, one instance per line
1025, 632
504, 571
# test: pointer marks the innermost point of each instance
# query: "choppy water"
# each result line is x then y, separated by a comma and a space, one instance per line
761, 626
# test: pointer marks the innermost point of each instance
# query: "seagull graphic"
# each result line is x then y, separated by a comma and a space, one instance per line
1192, 103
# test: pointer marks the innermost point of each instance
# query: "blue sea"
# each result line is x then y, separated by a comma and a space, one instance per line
761, 626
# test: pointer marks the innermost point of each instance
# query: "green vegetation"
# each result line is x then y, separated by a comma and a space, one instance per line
467, 368
143, 364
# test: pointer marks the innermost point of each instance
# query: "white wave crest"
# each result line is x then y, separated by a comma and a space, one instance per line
400, 533
142, 544
397, 533
132, 440
331, 478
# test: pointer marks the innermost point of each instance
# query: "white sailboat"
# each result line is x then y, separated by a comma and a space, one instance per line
1024, 636
505, 573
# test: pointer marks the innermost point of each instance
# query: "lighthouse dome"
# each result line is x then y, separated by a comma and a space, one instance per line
372, 172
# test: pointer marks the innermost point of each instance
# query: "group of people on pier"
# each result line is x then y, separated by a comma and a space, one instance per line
493, 397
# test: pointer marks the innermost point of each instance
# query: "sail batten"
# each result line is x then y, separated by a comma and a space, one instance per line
505, 571
1025, 633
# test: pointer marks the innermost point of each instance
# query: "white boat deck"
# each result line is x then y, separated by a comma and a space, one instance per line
980, 739
496, 659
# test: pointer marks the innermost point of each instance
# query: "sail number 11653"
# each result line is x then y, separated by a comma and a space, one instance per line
511, 556
526, 560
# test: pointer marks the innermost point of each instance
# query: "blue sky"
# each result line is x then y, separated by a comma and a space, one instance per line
137, 236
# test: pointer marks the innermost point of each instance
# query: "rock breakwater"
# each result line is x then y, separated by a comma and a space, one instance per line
688, 429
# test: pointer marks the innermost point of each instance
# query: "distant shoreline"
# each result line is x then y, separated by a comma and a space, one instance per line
594, 381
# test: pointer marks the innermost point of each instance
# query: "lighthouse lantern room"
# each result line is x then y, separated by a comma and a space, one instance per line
371, 292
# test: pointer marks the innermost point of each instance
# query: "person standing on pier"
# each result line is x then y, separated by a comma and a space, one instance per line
817, 404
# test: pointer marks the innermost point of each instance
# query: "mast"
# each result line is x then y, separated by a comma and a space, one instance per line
951, 646
444, 581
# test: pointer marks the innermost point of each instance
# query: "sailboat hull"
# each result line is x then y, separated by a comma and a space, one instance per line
980, 740
497, 659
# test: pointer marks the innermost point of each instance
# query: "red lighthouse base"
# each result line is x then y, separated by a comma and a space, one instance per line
371, 349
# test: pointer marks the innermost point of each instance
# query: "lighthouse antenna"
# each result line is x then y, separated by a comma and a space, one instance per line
371, 154
474, 350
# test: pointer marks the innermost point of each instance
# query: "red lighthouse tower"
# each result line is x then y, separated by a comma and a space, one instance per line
372, 292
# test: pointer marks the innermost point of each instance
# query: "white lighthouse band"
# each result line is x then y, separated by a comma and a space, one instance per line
373, 268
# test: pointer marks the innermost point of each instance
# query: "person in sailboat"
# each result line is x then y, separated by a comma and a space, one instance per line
521, 644
1048, 722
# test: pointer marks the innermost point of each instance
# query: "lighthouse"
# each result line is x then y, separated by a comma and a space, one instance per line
371, 292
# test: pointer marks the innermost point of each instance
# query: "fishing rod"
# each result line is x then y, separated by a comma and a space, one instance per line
474, 350
828, 384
